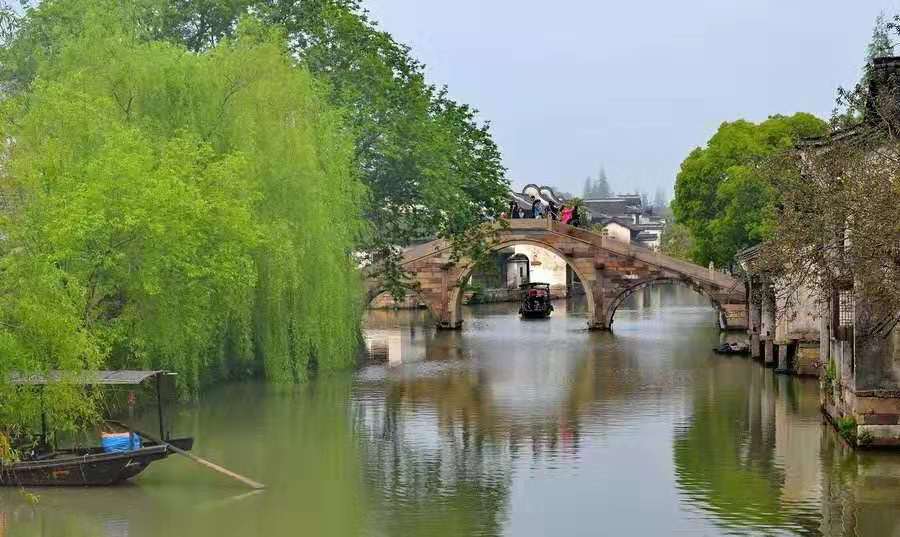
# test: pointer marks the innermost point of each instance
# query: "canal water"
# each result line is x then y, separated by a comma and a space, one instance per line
508, 427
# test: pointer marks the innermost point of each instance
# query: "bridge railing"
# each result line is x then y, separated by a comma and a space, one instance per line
638, 252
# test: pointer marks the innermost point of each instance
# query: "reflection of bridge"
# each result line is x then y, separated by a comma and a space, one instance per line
609, 270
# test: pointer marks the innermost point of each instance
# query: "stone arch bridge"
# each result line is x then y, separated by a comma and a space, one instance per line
609, 270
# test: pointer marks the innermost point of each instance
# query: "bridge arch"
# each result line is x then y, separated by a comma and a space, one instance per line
610, 271
456, 294
623, 295
373, 292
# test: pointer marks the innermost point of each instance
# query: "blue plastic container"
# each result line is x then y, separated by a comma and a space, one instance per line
120, 442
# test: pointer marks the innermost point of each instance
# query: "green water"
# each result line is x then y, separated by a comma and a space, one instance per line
509, 427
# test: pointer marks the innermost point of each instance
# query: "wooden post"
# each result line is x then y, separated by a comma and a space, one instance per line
43, 420
203, 462
159, 409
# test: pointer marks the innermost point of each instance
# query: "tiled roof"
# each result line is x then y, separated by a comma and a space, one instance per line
604, 220
613, 207
650, 226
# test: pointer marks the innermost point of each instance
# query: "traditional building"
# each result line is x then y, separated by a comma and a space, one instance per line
784, 324
628, 207
861, 344
627, 211
856, 346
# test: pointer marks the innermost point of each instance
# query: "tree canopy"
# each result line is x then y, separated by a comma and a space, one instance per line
432, 169
189, 185
171, 209
721, 197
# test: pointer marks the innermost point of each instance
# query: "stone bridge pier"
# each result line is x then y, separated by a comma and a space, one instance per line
609, 270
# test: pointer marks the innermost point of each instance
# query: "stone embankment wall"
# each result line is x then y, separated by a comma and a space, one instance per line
861, 386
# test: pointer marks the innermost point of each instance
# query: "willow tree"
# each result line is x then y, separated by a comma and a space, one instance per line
168, 209
430, 165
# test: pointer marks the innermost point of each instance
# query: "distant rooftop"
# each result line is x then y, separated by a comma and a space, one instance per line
624, 205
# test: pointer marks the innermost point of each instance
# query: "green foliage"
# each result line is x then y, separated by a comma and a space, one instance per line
432, 169
881, 44
677, 241
581, 210
168, 209
847, 428
720, 195
864, 439
852, 102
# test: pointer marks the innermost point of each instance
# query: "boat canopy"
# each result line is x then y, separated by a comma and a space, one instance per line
86, 378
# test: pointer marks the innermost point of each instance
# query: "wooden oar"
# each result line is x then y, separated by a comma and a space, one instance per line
212, 466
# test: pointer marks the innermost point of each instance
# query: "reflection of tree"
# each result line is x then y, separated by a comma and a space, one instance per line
441, 440
724, 455
299, 441
435, 469
860, 489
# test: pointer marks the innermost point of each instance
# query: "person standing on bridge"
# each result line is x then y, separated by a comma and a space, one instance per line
566, 215
576, 217
552, 210
514, 209
535, 207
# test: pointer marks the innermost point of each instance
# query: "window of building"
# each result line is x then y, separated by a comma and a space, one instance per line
845, 307
842, 310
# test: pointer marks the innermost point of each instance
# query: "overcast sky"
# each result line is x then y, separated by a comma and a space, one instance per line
571, 85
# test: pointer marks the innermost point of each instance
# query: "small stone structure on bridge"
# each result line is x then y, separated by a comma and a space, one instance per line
609, 270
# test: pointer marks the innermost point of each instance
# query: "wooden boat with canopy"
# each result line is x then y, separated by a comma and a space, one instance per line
535, 300
107, 464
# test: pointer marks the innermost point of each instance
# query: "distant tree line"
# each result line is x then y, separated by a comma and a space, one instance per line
597, 187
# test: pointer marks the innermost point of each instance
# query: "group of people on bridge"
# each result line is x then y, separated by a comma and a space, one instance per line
567, 214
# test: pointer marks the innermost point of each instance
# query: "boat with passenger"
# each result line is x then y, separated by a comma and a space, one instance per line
535, 300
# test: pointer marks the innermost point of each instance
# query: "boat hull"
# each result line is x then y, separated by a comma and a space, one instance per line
87, 470
536, 309
535, 314
727, 352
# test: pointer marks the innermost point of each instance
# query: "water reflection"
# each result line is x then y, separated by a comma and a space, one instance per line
507, 428
748, 454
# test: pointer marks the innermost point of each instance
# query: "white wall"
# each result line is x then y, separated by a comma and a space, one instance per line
654, 244
516, 274
618, 232
797, 318
546, 266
